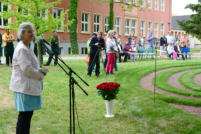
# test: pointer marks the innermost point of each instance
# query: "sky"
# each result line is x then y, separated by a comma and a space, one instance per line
179, 5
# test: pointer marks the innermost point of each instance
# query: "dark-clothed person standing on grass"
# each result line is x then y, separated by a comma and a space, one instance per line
26, 79
8, 46
97, 44
55, 49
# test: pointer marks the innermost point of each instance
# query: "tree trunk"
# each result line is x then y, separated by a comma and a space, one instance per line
73, 26
111, 16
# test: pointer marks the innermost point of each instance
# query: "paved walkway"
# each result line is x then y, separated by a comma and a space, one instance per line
3, 59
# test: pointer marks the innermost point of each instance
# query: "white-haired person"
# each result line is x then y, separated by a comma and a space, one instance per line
171, 51
111, 51
26, 79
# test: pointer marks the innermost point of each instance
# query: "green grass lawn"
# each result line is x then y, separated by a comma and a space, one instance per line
135, 111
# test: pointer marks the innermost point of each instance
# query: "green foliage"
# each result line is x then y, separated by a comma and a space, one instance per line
38, 13
35, 11
73, 26
193, 25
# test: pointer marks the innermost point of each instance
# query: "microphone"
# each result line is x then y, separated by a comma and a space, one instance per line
47, 47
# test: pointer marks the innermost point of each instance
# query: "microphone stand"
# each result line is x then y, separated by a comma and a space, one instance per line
72, 82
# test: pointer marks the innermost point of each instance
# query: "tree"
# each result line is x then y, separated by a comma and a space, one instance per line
193, 25
38, 13
73, 27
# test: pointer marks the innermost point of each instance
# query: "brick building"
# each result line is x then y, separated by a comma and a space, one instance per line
93, 16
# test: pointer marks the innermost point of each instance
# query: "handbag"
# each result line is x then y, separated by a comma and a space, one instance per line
87, 60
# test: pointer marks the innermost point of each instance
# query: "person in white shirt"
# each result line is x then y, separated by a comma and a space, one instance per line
111, 52
170, 38
171, 51
26, 79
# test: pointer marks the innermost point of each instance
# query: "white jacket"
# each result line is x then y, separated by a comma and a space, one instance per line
111, 46
26, 77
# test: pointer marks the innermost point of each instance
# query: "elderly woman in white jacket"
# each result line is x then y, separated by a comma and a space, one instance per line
111, 52
26, 79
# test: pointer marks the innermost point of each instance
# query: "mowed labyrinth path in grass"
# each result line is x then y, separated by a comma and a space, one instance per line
135, 111
178, 82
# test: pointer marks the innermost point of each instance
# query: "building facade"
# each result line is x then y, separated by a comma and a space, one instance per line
176, 30
152, 15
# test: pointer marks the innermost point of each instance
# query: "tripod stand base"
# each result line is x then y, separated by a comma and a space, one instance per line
109, 115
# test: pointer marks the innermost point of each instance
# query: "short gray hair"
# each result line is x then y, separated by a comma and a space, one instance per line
23, 26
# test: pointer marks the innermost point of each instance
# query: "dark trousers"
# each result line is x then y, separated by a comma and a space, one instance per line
9, 58
24, 122
94, 59
120, 54
182, 55
115, 63
170, 56
50, 59
105, 62
126, 57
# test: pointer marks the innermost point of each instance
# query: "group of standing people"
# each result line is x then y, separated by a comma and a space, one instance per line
97, 44
7, 43
113, 48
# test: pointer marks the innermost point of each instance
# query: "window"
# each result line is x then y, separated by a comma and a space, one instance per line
128, 1
134, 2
106, 24
156, 29
97, 21
127, 24
149, 27
3, 22
84, 50
117, 0
162, 5
24, 11
142, 4
130, 26
57, 13
85, 22
69, 50
61, 50
142, 27
133, 26
149, 3
156, 5
117, 25
42, 14
162, 29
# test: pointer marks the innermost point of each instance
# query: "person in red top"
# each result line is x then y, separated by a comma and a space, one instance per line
184, 40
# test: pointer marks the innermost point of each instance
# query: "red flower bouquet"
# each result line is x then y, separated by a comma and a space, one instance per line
108, 90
